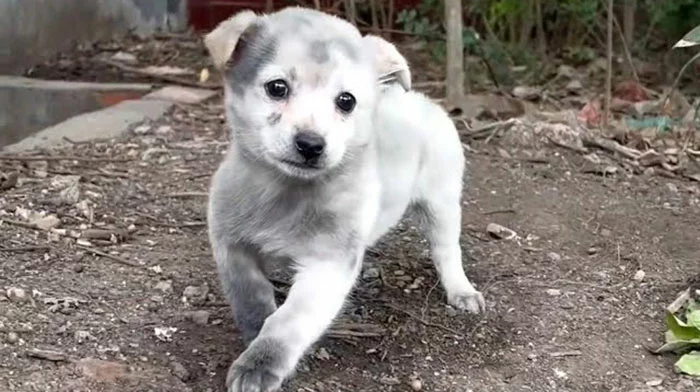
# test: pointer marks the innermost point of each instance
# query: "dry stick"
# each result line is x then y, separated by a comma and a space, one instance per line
165, 78
678, 303
187, 194
108, 256
33, 158
49, 355
628, 54
608, 76
25, 248
424, 322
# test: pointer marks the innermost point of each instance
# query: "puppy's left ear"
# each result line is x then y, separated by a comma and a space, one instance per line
222, 41
390, 64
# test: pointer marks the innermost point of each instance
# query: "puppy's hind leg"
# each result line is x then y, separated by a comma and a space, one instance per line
442, 215
248, 291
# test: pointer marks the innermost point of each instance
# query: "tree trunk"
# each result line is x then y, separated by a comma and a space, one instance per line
455, 54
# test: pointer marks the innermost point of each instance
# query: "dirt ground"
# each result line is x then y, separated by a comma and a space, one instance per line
134, 303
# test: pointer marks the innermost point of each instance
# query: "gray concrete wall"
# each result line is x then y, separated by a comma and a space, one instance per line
34, 30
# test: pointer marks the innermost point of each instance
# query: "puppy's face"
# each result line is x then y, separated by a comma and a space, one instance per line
300, 88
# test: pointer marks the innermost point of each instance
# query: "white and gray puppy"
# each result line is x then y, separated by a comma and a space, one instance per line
323, 161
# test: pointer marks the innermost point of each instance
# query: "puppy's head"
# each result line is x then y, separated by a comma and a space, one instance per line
300, 88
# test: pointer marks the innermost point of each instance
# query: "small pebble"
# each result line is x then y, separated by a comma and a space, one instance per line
592, 250
639, 275
370, 273
179, 371
165, 286
15, 294
200, 317
416, 385
12, 337
553, 292
554, 257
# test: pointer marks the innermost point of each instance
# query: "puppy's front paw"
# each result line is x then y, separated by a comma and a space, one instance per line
258, 369
242, 379
469, 300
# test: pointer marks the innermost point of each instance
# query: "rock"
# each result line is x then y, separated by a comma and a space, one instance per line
15, 294
672, 188
605, 232
592, 250
554, 257
179, 371
574, 86
194, 294
323, 354
553, 292
655, 382
416, 385
566, 71
639, 275
165, 286
68, 188
200, 317
389, 380
142, 129
500, 232
47, 222
83, 336
370, 273
12, 337
125, 57
399, 272
527, 93
99, 370
8, 181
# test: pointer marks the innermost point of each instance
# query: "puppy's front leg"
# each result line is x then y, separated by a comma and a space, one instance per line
315, 298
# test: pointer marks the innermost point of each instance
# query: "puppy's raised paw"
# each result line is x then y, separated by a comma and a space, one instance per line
240, 379
471, 301
257, 369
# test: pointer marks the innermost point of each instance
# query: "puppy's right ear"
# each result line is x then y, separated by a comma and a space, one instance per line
221, 42
390, 64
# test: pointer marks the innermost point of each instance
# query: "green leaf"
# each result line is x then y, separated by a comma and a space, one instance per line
681, 330
678, 346
689, 364
694, 319
692, 38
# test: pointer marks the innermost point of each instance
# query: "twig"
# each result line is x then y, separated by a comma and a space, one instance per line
424, 322
678, 303
499, 211
108, 256
187, 194
165, 78
608, 75
49, 355
32, 158
20, 224
25, 248
611, 146
564, 145
628, 54
560, 354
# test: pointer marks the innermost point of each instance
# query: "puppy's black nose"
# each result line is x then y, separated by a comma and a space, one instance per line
309, 145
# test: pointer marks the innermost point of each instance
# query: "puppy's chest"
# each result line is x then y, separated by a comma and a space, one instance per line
284, 221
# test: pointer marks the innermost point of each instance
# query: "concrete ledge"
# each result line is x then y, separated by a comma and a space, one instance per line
106, 123
29, 105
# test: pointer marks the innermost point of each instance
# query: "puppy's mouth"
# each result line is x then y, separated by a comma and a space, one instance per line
302, 165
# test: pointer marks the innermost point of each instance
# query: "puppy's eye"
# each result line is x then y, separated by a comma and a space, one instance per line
345, 102
277, 89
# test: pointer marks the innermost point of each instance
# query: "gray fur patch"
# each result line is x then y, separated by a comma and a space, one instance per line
318, 52
255, 49
247, 289
259, 368
274, 118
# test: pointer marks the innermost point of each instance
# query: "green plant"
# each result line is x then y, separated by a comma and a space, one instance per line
674, 18
683, 337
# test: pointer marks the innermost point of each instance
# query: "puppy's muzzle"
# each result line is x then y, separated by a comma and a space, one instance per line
310, 146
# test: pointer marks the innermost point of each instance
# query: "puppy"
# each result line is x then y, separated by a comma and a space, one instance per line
328, 152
